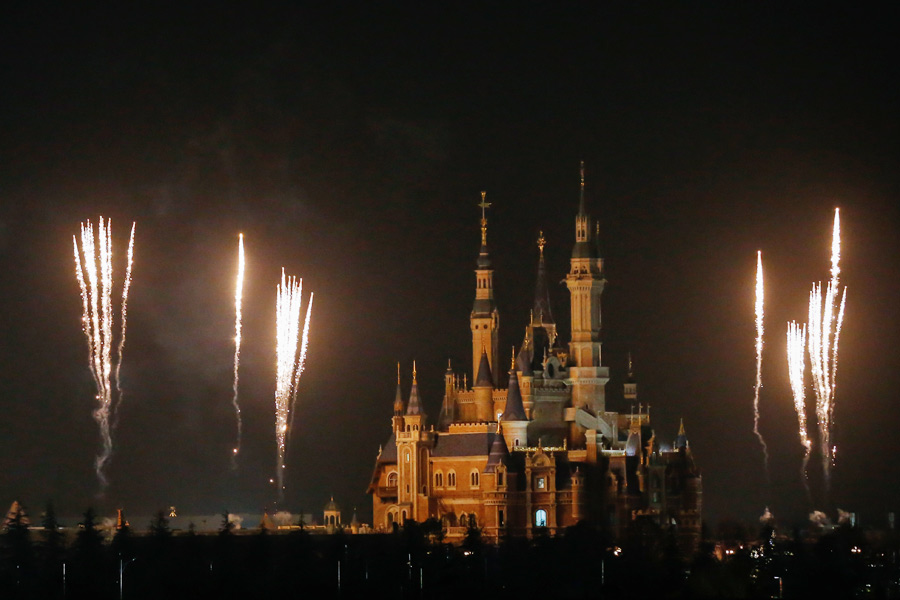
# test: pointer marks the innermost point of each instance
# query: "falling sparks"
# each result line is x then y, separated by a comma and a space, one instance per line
826, 316
289, 366
759, 349
301, 362
238, 297
95, 279
796, 348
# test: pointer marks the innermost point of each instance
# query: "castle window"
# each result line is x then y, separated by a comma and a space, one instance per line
541, 483
404, 516
540, 518
390, 519
500, 518
499, 477
451, 479
474, 478
472, 521
438, 479
392, 479
406, 454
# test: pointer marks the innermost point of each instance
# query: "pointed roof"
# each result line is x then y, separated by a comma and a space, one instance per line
583, 248
514, 411
542, 313
414, 407
681, 440
498, 453
16, 511
484, 378
398, 398
523, 361
266, 522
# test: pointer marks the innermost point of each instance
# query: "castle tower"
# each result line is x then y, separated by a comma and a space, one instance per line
585, 282
484, 319
412, 456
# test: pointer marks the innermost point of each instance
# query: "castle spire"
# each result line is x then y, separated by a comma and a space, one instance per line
484, 321
414, 407
398, 398
541, 308
581, 193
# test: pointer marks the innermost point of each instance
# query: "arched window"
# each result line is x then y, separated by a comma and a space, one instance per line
392, 479
451, 479
406, 454
404, 516
473, 522
474, 478
499, 477
463, 520
438, 479
540, 518
390, 519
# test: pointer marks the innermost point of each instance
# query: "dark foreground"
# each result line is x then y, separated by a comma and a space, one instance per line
415, 563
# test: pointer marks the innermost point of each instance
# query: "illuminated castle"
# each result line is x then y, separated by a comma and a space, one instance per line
545, 452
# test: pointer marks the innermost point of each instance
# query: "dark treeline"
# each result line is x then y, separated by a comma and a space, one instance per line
415, 562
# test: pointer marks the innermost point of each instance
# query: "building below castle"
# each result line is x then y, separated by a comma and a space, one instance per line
544, 453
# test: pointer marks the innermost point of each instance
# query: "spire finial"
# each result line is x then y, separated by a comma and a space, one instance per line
449, 368
512, 365
398, 372
681, 427
484, 205
414, 372
581, 193
541, 242
630, 370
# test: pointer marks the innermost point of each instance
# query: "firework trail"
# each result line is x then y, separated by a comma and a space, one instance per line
95, 279
125, 289
238, 297
796, 348
301, 364
759, 348
822, 343
287, 332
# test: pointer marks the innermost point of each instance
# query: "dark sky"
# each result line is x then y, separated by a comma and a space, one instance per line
349, 147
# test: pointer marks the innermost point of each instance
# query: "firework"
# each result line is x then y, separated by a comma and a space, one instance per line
759, 349
288, 367
301, 363
95, 279
796, 347
238, 296
826, 316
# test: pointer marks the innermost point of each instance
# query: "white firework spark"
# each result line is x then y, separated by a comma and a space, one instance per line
287, 332
97, 324
301, 363
759, 349
238, 298
825, 320
796, 348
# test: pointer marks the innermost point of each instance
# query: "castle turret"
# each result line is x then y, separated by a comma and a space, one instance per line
484, 319
585, 282
514, 419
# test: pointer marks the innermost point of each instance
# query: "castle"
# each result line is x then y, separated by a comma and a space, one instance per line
545, 453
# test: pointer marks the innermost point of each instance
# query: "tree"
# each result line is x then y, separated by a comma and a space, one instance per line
227, 527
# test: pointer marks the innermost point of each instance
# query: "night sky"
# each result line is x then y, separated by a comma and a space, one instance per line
350, 146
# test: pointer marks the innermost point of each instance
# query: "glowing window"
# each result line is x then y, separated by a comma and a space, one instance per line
541, 483
540, 518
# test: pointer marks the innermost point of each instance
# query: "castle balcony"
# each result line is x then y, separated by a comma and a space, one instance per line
387, 491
